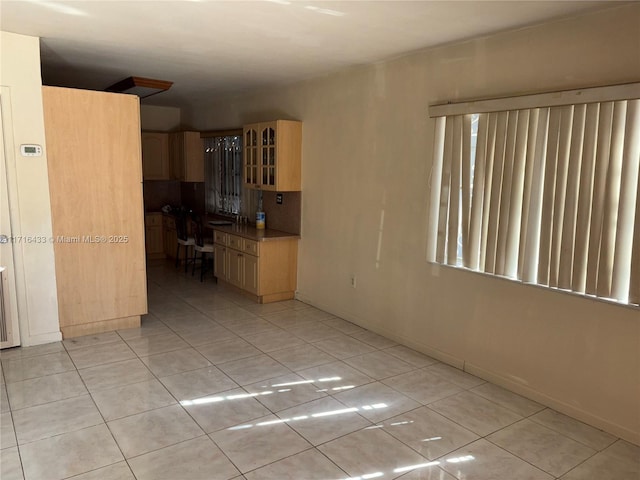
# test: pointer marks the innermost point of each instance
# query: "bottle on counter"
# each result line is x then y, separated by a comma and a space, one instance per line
260, 220
260, 217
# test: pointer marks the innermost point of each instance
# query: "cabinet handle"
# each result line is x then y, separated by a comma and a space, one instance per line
239, 254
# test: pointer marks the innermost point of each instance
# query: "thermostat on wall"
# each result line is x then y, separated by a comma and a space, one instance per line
31, 150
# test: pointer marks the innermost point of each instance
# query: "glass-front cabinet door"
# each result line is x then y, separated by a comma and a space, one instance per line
251, 148
272, 155
269, 148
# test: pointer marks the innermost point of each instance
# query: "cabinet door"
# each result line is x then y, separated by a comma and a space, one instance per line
153, 240
155, 156
268, 148
272, 155
175, 156
236, 267
251, 274
220, 262
192, 157
250, 151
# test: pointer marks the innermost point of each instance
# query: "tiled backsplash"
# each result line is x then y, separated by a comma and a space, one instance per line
158, 193
192, 196
285, 217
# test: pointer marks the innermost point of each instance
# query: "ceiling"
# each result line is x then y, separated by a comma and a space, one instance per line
216, 48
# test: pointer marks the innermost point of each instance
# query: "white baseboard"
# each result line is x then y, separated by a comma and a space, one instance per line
488, 375
31, 340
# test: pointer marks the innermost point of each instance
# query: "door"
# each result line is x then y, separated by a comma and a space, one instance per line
251, 178
236, 267
268, 136
155, 156
251, 274
9, 329
220, 262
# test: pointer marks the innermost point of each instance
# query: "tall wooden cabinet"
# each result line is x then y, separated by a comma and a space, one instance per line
95, 182
272, 155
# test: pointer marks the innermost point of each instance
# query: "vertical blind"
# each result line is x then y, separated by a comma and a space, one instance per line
546, 195
223, 174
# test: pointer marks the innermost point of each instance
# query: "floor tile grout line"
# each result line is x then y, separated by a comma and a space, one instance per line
101, 416
574, 439
469, 389
317, 321
377, 349
517, 456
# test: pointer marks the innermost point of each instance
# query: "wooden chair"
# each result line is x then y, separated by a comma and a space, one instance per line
200, 246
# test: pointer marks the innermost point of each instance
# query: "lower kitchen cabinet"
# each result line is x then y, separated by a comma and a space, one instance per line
235, 267
154, 236
251, 275
220, 261
265, 270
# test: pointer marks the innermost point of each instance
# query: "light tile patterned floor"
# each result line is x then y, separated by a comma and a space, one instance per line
214, 387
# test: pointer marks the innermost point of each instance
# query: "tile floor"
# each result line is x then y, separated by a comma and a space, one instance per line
213, 386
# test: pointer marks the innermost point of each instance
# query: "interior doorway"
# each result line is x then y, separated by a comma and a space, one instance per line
9, 325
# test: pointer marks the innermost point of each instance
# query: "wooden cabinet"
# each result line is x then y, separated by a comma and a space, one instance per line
265, 270
250, 274
154, 242
155, 155
187, 156
272, 155
220, 261
95, 185
235, 267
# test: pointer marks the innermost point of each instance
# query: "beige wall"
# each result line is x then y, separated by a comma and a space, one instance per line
28, 188
161, 119
367, 146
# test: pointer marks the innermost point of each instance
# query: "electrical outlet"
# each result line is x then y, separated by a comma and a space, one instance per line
353, 280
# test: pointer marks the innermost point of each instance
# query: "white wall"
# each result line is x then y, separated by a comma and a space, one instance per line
28, 188
157, 118
367, 146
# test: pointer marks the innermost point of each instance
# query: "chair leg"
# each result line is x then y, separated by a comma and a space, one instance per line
193, 261
186, 254
203, 266
178, 256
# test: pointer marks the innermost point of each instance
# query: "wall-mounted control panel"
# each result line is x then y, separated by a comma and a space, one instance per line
31, 150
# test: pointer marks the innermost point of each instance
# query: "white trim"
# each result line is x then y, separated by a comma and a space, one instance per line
626, 91
530, 392
19, 277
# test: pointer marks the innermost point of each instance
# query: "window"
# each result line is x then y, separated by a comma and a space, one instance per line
541, 189
223, 174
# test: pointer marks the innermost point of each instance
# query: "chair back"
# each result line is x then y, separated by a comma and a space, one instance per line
196, 229
181, 226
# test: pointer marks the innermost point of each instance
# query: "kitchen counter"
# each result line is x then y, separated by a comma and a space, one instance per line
252, 233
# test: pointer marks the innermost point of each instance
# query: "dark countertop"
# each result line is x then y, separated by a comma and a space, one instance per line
252, 233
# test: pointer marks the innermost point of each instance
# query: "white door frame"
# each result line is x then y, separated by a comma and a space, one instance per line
8, 221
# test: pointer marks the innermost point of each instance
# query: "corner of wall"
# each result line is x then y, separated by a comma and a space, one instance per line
28, 186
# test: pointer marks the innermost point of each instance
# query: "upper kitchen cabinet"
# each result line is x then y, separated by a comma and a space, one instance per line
187, 156
272, 155
155, 156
